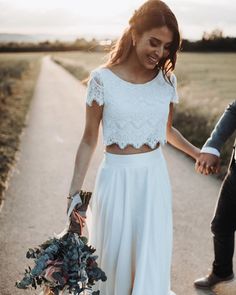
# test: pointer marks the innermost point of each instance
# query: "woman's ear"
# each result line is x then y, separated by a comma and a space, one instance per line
133, 35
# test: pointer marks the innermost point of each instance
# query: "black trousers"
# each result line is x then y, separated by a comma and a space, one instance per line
223, 225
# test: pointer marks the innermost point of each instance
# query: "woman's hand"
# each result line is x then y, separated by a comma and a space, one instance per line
207, 164
70, 197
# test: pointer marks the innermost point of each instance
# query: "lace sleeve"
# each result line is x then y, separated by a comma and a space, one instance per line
175, 96
95, 90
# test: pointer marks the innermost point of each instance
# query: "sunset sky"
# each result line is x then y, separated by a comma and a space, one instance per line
107, 18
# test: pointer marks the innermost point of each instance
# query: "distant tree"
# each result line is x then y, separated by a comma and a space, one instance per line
213, 35
81, 43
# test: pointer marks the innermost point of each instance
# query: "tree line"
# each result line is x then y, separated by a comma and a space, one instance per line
211, 42
214, 41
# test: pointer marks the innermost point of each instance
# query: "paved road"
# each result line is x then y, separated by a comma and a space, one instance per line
35, 201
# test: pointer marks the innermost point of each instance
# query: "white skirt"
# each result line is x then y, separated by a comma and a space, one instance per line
131, 224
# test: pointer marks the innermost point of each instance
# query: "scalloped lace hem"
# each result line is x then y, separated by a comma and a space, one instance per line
124, 144
98, 100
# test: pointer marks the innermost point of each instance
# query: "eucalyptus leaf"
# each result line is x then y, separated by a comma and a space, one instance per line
66, 262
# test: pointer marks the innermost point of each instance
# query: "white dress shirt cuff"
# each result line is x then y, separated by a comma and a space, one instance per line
210, 150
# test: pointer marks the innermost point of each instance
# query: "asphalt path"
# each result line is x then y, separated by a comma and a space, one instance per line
35, 202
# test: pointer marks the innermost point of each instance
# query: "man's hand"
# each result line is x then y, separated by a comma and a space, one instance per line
207, 164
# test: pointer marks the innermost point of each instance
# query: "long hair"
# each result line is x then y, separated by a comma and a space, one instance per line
152, 14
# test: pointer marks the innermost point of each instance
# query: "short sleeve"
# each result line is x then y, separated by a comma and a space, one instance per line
95, 89
175, 96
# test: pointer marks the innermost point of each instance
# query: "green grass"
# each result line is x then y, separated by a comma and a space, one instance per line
79, 64
206, 81
18, 74
86, 60
206, 85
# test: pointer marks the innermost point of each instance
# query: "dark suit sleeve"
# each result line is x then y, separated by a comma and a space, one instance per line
224, 128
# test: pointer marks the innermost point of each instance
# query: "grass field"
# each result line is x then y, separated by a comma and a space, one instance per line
206, 85
18, 74
204, 80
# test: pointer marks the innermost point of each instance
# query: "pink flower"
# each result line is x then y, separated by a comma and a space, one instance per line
53, 272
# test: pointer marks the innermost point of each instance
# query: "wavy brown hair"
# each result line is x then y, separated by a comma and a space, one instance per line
152, 14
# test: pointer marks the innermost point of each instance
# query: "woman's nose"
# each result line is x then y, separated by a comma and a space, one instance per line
159, 51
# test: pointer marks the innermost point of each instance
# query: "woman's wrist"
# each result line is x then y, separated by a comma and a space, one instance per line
196, 153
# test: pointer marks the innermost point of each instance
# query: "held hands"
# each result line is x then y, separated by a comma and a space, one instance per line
207, 164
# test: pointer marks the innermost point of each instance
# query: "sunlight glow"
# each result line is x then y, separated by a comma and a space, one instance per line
108, 18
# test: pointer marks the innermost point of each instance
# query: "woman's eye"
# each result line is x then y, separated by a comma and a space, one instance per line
167, 48
153, 43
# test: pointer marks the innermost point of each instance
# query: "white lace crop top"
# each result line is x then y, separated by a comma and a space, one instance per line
133, 114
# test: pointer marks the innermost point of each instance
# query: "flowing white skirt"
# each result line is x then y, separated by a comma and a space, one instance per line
131, 224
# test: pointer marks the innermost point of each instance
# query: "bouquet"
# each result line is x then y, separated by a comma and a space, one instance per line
65, 262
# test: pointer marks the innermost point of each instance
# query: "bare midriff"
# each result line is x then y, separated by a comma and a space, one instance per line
129, 149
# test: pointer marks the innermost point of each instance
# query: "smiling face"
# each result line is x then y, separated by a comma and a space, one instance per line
152, 46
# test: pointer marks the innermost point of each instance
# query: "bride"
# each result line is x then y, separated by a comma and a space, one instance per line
133, 95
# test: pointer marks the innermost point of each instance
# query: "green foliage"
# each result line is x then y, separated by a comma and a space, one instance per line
73, 261
212, 43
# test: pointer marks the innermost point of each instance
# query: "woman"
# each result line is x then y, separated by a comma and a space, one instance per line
133, 95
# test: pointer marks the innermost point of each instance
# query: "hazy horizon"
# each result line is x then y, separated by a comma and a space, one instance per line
107, 19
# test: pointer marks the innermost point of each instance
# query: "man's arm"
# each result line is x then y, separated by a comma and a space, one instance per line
223, 129
208, 161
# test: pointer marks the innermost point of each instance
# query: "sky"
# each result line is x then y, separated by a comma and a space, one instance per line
108, 18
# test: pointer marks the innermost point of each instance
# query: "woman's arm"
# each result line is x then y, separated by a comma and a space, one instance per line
175, 138
87, 146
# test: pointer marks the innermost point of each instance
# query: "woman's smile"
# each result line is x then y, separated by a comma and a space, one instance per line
153, 59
